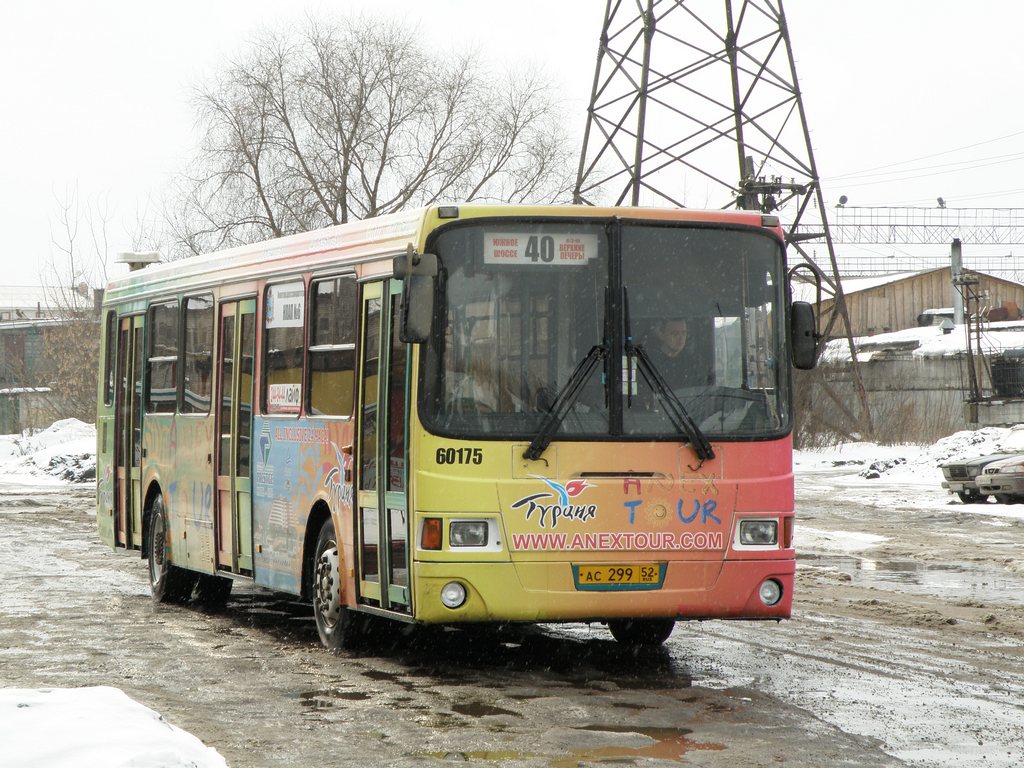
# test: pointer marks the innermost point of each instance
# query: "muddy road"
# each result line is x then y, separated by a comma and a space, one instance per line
910, 652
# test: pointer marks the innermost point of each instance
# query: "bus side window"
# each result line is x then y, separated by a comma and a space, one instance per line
198, 354
283, 325
332, 337
109, 348
162, 381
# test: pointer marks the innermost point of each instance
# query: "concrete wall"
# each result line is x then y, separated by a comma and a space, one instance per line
921, 397
20, 410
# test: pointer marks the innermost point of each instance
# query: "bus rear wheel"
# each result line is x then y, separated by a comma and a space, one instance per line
168, 583
648, 632
339, 627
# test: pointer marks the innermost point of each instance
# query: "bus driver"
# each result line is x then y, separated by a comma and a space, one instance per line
670, 356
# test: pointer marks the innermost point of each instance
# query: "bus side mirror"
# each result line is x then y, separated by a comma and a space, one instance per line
803, 336
418, 272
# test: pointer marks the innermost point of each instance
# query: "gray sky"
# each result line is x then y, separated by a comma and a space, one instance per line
95, 94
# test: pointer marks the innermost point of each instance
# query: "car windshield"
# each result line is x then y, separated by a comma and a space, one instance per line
523, 305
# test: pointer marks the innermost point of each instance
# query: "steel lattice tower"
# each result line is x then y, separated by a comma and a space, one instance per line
696, 103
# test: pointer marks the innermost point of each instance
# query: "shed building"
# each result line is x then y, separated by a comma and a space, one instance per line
896, 302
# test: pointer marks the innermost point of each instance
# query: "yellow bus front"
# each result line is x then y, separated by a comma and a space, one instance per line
602, 421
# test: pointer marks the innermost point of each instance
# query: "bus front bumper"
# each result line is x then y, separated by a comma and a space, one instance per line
546, 592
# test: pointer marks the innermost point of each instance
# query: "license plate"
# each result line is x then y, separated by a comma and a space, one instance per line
619, 577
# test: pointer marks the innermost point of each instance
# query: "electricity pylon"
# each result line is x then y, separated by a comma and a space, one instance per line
696, 102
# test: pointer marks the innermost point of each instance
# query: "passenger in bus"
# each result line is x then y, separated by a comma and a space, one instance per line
673, 358
480, 386
478, 389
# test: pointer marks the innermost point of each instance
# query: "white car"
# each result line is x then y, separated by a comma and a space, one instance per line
961, 476
1003, 479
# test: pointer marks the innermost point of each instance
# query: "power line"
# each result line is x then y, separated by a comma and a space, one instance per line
928, 157
975, 196
971, 162
934, 173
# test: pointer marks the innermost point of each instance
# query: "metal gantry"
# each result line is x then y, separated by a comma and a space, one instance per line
696, 103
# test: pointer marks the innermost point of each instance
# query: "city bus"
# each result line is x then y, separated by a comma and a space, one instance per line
462, 415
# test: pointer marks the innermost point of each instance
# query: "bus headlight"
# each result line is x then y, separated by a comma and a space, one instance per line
759, 533
770, 592
468, 533
453, 594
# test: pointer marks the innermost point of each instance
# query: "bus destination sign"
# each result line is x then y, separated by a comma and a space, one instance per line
541, 250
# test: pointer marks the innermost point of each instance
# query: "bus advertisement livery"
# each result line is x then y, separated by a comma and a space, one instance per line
464, 414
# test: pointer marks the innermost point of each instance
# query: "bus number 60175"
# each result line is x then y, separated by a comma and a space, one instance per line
459, 456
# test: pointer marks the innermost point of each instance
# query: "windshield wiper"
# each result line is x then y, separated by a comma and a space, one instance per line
564, 401
674, 407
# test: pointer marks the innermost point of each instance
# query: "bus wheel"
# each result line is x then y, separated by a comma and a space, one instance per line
168, 583
641, 631
338, 626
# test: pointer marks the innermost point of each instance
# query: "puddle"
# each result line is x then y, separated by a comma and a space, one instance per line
326, 699
628, 705
478, 709
669, 744
947, 580
350, 695
380, 674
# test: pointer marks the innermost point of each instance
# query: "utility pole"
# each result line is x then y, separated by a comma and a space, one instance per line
679, 87
956, 266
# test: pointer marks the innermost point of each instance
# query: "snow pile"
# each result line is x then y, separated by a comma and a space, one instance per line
67, 728
912, 464
904, 476
64, 452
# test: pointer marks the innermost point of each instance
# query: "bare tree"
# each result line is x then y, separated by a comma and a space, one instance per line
77, 266
355, 118
79, 236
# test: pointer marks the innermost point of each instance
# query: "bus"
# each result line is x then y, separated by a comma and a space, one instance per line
462, 414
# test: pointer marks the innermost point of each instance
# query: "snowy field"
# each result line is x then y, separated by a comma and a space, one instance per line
54, 728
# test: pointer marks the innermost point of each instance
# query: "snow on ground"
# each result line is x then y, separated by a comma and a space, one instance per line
63, 453
68, 728
906, 475
53, 728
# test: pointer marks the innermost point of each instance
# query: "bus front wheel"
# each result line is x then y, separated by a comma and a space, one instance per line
339, 628
168, 583
641, 631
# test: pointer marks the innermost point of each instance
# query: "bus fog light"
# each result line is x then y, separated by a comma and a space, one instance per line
468, 533
770, 592
759, 533
453, 594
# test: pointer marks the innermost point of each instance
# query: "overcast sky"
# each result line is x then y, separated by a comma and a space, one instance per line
96, 94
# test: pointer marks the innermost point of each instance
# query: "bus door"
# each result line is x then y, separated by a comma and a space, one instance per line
128, 434
383, 509
237, 335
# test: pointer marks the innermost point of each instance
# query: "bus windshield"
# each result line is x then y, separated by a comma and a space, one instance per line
575, 315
